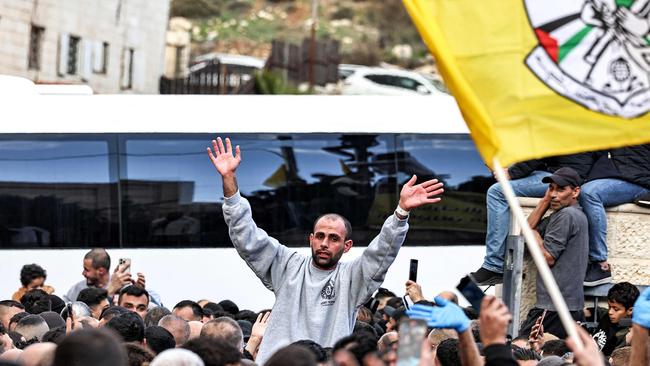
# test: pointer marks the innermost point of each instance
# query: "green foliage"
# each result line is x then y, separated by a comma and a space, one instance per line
343, 12
203, 9
195, 9
272, 82
366, 29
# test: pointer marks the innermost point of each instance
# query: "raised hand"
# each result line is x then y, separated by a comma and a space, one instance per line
119, 279
259, 328
536, 337
414, 291
222, 158
446, 315
494, 319
588, 355
415, 195
141, 280
257, 334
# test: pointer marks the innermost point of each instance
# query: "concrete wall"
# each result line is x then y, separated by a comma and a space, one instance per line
628, 241
123, 24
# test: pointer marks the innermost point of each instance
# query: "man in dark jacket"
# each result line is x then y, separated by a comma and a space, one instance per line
526, 181
618, 176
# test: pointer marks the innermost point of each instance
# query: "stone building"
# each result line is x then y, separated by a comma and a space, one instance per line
114, 46
177, 52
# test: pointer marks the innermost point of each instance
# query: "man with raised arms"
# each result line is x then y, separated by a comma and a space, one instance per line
317, 296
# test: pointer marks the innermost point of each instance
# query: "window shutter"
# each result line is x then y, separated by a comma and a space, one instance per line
125, 81
64, 42
86, 59
98, 56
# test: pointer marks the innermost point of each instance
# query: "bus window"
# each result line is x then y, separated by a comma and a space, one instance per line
160, 190
171, 194
56, 192
461, 217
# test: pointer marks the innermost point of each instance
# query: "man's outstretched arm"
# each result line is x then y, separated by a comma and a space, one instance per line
254, 245
226, 164
370, 268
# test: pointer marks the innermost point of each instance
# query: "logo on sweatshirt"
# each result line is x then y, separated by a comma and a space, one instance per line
328, 293
601, 339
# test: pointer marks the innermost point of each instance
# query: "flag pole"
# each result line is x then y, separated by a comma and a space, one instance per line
542, 267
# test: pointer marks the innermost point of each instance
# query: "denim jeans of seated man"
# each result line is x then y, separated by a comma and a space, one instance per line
498, 215
594, 197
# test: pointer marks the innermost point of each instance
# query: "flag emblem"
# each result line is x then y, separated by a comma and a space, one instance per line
594, 52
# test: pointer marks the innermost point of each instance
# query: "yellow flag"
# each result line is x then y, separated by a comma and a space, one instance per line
537, 78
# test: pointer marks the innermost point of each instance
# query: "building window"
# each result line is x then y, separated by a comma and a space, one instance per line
100, 57
127, 69
35, 42
73, 55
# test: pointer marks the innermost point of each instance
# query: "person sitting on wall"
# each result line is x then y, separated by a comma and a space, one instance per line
563, 238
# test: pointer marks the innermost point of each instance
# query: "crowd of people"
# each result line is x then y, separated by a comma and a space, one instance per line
328, 312
127, 328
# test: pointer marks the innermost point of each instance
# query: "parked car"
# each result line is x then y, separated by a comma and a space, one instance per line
381, 81
346, 70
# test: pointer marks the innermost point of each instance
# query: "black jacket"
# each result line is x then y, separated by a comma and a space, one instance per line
581, 163
633, 164
609, 336
499, 355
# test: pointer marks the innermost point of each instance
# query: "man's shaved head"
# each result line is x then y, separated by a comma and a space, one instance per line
335, 217
177, 327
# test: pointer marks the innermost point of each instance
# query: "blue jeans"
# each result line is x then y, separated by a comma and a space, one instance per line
498, 216
594, 197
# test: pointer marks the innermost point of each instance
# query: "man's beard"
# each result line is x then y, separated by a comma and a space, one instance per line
326, 263
92, 282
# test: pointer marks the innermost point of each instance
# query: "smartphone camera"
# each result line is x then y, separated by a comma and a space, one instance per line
125, 263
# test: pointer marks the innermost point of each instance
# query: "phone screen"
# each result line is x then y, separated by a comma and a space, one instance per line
471, 292
411, 335
413, 270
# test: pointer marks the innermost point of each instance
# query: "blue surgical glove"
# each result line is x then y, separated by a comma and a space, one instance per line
445, 315
641, 311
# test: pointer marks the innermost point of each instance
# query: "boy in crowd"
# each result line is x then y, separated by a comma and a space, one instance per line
610, 333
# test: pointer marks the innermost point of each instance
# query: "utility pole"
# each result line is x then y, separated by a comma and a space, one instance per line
312, 46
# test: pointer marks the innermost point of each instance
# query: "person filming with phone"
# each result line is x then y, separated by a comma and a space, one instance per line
317, 296
96, 266
563, 237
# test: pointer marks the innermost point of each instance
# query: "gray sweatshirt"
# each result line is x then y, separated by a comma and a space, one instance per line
310, 303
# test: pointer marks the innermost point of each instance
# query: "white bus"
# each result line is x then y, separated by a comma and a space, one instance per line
130, 174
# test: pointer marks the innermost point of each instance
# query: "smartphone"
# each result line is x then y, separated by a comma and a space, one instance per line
411, 335
413, 270
126, 264
541, 322
543, 316
471, 292
70, 313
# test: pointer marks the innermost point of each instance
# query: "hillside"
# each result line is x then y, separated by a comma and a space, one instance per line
368, 31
